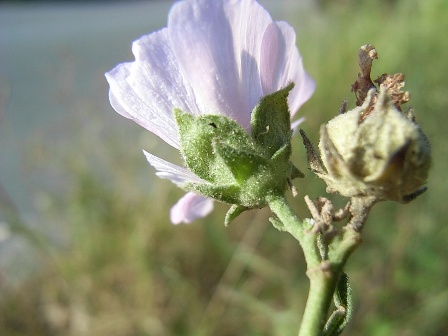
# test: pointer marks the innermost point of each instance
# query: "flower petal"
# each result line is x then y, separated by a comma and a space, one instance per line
148, 89
190, 207
304, 84
281, 63
217, 45
157, 70
125, 100
248, 21
272, 59
178, 175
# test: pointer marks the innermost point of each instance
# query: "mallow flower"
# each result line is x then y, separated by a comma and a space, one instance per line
214, 58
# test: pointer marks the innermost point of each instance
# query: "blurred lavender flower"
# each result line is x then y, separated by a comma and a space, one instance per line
214, 57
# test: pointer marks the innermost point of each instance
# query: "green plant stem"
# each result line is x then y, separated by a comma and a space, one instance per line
322, 287
296, 228
323, 274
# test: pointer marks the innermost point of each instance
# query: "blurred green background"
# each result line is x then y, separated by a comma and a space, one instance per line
86, 246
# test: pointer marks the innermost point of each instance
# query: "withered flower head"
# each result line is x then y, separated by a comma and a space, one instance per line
375, 149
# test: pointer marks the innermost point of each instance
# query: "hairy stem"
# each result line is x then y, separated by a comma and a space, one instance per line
322, 286
296, 228
323, 274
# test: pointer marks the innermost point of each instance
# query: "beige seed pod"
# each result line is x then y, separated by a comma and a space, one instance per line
375, 150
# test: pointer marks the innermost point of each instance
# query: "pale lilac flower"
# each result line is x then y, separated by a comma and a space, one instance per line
214, 57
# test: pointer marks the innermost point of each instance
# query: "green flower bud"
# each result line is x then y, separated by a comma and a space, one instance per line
236, 167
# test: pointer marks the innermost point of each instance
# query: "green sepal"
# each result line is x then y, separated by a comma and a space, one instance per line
241, 163
197, 135
282, 154
270, 121
277, 223
234, 211
281, 157
228, 193
296, 173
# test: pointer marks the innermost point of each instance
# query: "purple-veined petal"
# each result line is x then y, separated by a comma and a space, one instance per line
190, 207
218, 56
124, 99
304, 84
281, 63
178, 175
148, 89
157, 72
248, 21
272, 59
217, 45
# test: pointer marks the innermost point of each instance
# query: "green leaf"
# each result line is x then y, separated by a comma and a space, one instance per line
343, 302
271, 124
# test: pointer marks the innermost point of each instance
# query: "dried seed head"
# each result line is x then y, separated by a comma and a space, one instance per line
375, 149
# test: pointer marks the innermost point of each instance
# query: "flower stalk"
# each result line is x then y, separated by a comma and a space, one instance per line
324, 270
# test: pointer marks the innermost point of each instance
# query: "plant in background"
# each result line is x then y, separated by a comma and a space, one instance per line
221, 84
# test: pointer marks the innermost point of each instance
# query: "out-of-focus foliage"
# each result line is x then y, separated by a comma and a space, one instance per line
120, 268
